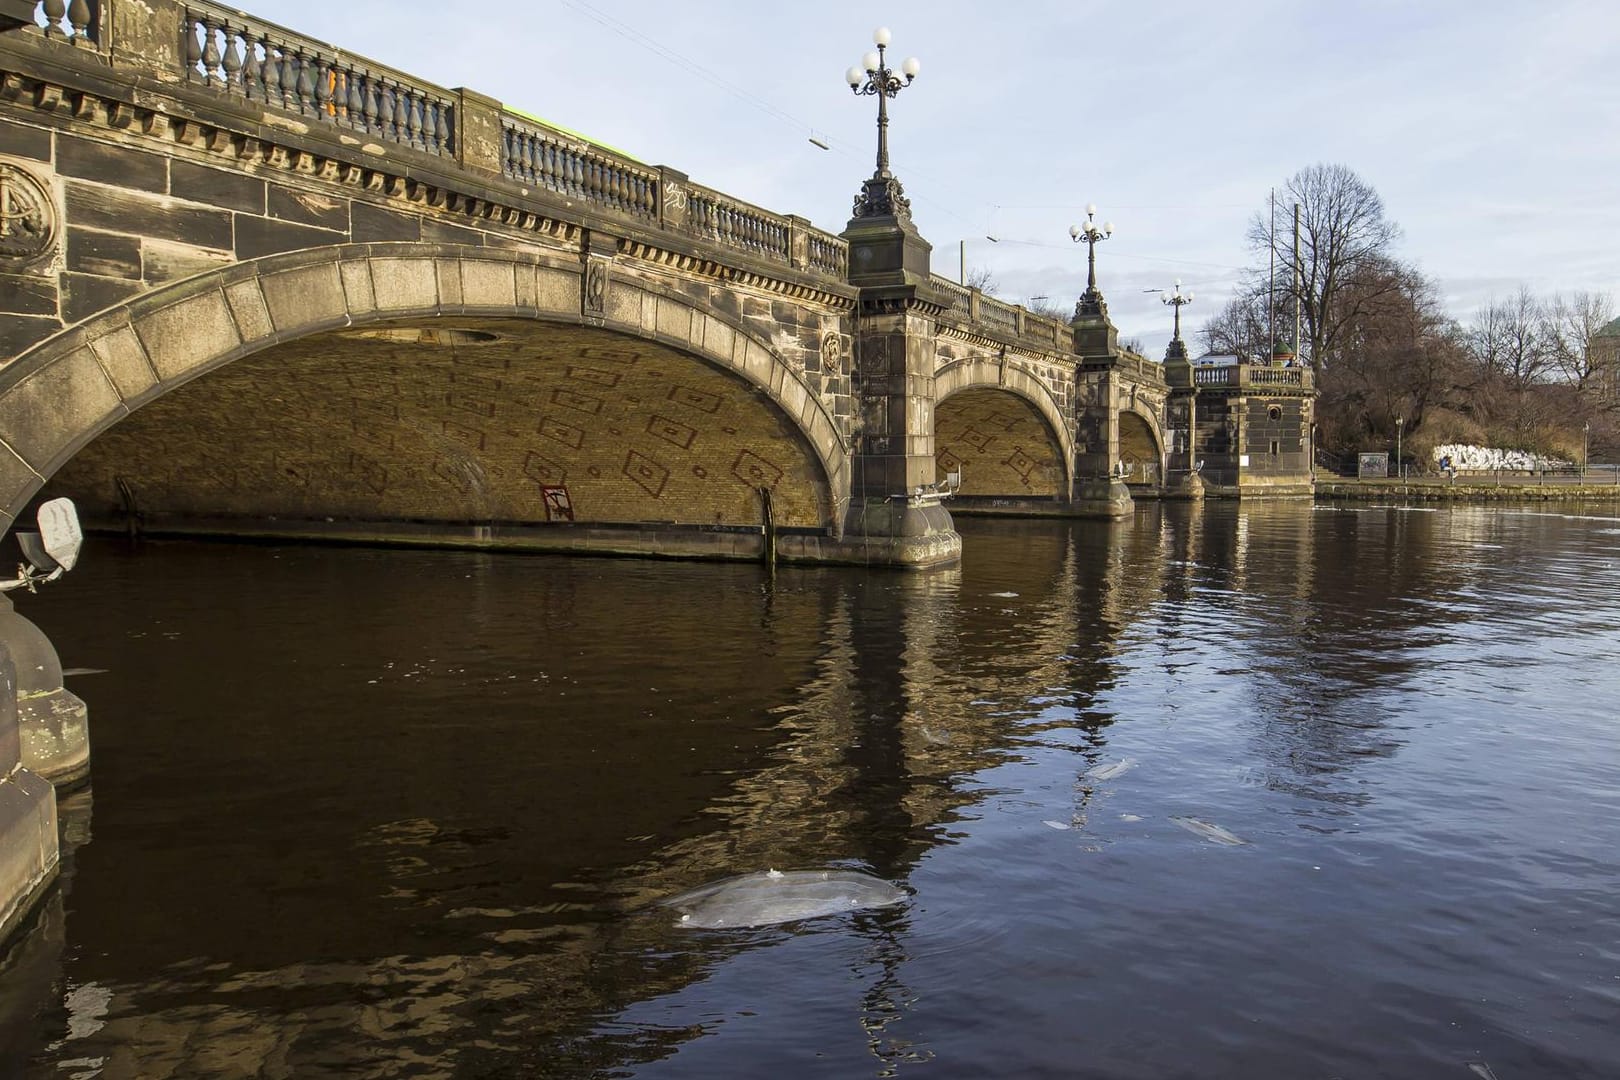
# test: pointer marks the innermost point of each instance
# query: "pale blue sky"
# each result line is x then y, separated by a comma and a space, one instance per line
1487, 127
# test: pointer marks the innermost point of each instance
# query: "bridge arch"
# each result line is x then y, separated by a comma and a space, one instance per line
1141, 446
67, 390
990, 374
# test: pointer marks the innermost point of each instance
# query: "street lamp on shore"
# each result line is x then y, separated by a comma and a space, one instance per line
882, 195
1400, 423
1091, 234
1586, 443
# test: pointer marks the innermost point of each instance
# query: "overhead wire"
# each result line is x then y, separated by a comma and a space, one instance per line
820, 139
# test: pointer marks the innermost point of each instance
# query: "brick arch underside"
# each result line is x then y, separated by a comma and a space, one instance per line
288, 398
1000, 442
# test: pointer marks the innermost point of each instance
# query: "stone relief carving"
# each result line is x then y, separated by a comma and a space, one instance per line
832, 353
27, 217
596, 285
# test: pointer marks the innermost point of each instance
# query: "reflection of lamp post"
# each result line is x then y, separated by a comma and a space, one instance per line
1400, 422
961, 258
882, 194
1092, 234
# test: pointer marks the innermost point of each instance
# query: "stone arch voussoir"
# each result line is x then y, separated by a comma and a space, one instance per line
66, 390
976, 373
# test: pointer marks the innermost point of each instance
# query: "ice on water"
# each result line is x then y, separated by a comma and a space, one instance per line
775, 896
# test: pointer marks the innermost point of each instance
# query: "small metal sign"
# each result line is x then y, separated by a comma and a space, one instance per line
1372, 465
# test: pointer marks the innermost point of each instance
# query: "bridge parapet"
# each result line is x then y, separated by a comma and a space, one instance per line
232, 52
1260, 376
536, 154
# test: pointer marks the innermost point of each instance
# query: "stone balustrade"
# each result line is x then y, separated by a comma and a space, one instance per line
735, 224
1259, 376
827, 254
233, 53
961, 297
228, 52
535, 154
74, 22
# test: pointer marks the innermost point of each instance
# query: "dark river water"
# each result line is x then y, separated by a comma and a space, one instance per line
361, 813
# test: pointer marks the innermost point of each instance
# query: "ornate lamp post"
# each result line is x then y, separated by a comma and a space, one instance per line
1586, 443
1091, 302
881, 195
1178, 348
1400, 425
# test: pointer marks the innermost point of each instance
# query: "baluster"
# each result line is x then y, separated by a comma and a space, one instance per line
432, 111
289, 79
252, 72
355, 106
272, 74
54, 10
233, 62
413, 121
370, 105
537, 160
553, 178
210, 56
402, 114
193, 47
534, 154
385, 110
447, 135
78, 14
579, 174
567, 163
621, 189
520, 156
323, 88
306, 83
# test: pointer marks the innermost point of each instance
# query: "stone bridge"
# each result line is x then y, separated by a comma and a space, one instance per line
253, 284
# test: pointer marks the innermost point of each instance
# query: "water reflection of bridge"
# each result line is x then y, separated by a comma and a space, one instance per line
854, 728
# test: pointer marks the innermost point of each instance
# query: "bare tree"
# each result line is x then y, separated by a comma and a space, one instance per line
1046, 308
1345, 241
1401, 357
1509, 348
981, 278
1239, 329
1570, 324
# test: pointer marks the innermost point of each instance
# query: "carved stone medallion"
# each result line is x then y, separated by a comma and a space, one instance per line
27, 217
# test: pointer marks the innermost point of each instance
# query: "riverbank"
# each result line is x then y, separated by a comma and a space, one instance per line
1482, 489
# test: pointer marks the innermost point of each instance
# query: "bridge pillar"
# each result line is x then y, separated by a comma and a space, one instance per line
1182, 480
1099, 490
29, 852
52, 721
895, 513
